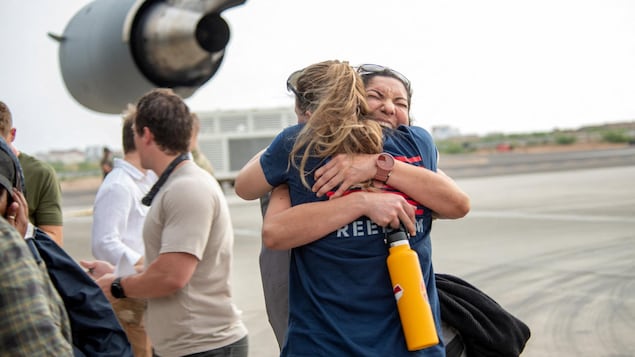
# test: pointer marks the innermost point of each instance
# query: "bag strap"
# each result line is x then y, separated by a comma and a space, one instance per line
34, 251
147, 200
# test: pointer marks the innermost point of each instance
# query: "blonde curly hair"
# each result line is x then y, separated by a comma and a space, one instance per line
334, 95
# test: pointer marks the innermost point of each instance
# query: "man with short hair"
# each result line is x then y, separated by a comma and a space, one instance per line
118, 217
43, 192
188, 239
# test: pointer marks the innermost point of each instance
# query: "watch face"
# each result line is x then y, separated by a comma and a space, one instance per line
386, 161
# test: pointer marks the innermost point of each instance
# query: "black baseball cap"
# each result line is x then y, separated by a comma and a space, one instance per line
10, 171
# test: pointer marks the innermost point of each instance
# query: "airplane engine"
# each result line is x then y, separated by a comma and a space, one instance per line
114, 51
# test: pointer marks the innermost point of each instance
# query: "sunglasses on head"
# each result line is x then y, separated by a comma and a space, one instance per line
292, 82
375, 69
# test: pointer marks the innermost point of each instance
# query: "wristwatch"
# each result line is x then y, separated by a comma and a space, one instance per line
385, 163
116, 290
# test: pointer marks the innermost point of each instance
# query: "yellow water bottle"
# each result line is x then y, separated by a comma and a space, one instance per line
410, 292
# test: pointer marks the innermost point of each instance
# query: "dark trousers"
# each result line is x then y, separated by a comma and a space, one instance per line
239, 348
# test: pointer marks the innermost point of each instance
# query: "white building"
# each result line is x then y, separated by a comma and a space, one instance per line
230, 138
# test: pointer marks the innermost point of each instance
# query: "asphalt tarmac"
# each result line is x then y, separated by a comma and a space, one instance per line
555, 248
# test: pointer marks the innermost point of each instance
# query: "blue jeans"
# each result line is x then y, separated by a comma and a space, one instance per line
239, 348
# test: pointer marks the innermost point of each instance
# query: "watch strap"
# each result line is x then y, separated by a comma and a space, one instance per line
382, 175
116, 289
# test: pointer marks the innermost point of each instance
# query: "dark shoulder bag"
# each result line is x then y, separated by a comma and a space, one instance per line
95, 329
485, 327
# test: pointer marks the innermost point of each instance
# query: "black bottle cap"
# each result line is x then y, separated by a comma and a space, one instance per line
395, 235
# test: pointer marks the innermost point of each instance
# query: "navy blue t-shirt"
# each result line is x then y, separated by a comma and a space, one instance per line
341, 301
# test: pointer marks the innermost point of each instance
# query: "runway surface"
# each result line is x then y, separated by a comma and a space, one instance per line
556, 248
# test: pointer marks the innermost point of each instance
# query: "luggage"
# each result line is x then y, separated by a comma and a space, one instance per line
95, 329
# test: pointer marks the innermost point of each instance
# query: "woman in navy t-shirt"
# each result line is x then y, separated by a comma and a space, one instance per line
341, 300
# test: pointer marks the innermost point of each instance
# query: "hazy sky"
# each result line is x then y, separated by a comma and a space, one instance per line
480, 66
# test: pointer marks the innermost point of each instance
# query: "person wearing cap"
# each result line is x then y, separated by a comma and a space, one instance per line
43, 192
13, 205
34, 319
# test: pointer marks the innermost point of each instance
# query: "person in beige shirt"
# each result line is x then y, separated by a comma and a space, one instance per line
188, 239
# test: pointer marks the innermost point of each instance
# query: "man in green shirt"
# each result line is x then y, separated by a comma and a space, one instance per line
43, 192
